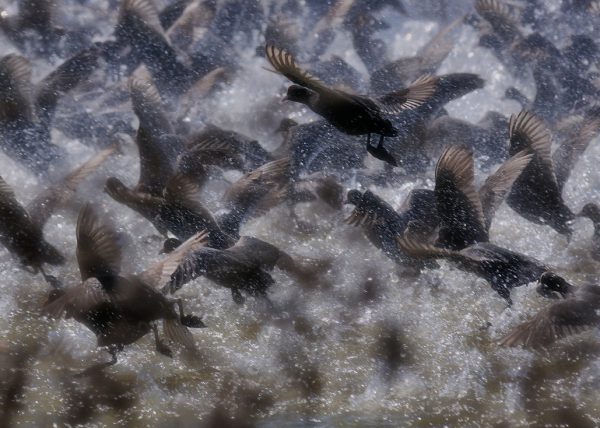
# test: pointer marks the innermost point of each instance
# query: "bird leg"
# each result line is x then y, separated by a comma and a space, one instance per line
380, 152
161, 348
192, 321
53, 281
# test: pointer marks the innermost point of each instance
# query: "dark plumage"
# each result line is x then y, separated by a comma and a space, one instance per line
466, 214
351, 114
537, 193
178, 209
117, 308
382, 224
244, 267
224, 148
503, 269
139, 28
21, 230
25, 119
578, 311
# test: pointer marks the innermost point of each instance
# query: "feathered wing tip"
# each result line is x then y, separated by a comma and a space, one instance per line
144, 95
495, 7
284, 63
498, 15
527, 131
498, 184
200, 89
145, 11
456, 165
7, 194
209, 143
181, 187
519, 336
418, 93
421, 250
16, 70
457, 161
421, 90
159, 274
360, 217
179, 333
15, 78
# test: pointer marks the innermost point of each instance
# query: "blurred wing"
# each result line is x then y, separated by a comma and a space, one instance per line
498, 184
82, 298
181, 190
9, 203
569, 152
157, 154
158, 275
56, 196
498, 15
437, 49
68, 75
15, 78
556, 322
99, 251
254, 187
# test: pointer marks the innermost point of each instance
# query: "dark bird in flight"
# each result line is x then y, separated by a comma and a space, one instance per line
351, 114
22, 229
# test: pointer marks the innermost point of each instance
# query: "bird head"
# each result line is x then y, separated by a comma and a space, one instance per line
300, 94
354, 197
553, 286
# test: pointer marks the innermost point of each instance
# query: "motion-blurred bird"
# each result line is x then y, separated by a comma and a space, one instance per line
21, 230
117, 308
579, 311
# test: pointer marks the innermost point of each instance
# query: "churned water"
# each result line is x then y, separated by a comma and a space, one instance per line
319, 359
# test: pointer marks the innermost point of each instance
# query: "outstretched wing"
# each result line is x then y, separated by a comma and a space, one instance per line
553, 323
284, 63
98, 248
42, 207
498, 184
419, 92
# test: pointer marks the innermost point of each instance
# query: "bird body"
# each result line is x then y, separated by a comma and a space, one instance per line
349, 113
502, 268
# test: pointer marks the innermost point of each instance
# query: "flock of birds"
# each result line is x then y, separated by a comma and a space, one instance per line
156, 65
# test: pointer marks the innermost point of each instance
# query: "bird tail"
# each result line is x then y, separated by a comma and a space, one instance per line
178, 333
